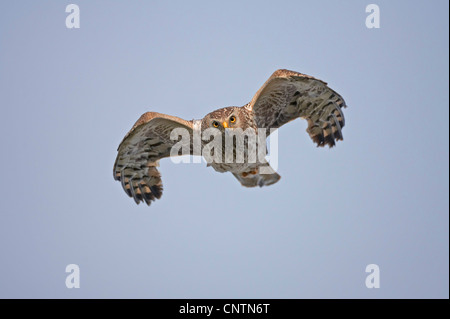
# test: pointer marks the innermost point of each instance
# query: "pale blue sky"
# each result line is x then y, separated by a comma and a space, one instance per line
68, 97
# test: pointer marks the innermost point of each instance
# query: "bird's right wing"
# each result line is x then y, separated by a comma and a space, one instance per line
141, 149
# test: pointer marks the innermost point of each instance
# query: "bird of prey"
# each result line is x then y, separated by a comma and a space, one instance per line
285, 96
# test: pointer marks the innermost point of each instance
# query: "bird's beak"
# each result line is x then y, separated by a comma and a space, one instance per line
225, 124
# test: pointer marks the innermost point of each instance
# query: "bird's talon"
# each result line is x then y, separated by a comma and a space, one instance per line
254, 172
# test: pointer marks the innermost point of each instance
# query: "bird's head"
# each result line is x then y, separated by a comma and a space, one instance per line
221, 119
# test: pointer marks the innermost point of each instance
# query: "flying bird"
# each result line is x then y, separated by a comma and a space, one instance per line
285, 96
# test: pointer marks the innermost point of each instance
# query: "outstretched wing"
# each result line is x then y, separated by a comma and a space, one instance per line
287, 95
140, 151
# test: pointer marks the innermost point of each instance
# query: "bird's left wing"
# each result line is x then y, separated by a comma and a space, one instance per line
141, 149
287, 95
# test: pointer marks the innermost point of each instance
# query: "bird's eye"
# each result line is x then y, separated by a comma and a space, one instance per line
233, 119
216, 124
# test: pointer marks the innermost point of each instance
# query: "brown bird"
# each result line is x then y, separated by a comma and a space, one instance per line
285, 96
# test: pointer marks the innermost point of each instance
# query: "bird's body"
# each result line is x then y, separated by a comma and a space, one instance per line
241, 131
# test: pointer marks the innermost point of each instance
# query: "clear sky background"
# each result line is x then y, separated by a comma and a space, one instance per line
68, 96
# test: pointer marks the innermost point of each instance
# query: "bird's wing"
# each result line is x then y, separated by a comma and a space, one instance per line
140, 151
287, 95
